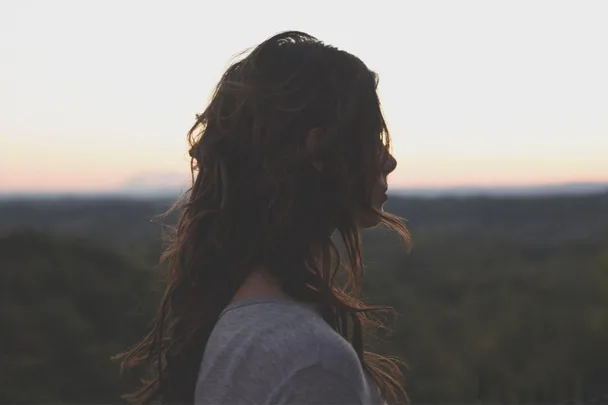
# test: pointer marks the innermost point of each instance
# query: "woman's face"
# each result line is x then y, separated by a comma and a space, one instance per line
379, 196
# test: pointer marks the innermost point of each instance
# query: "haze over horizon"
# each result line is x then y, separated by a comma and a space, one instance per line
96, 94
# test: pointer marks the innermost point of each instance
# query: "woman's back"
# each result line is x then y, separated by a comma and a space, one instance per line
277, 351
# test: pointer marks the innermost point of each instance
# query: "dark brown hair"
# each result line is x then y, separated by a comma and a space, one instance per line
259, 199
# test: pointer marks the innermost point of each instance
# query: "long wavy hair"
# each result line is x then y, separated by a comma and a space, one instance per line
264, 194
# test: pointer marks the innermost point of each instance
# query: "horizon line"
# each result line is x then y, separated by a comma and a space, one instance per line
561, 188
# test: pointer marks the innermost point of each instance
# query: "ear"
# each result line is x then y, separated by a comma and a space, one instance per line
313, 141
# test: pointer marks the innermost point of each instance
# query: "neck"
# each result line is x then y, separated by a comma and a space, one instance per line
259, 284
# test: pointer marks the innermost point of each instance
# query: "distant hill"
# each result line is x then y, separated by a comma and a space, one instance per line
507, 191
122, 223
169, 188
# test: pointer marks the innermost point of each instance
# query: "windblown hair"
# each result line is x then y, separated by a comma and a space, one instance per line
258, 198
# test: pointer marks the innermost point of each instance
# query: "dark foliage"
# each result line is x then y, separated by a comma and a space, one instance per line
500, 300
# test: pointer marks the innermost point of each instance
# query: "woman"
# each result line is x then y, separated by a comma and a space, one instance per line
292, 149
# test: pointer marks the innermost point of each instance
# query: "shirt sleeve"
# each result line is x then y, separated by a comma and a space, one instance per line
319, 386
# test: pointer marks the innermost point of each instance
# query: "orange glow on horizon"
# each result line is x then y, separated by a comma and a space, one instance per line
86, 108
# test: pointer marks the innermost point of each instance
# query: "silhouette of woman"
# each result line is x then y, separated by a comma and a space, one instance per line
261, 304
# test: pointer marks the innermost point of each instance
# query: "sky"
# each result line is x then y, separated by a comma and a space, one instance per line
99, 95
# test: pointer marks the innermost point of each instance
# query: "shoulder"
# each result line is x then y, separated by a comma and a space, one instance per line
279, 335
276, 348
317, 384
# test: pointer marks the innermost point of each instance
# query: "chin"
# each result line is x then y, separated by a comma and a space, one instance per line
369, 220
369, 223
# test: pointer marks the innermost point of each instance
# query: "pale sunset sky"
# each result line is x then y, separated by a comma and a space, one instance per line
94, 94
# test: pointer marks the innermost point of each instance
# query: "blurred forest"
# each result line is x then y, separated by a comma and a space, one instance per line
501, 300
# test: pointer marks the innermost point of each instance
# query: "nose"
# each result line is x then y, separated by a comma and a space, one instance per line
390, 164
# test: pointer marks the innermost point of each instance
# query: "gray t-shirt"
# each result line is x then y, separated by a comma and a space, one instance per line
274, 351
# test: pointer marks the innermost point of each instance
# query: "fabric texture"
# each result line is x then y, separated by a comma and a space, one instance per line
274, 351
